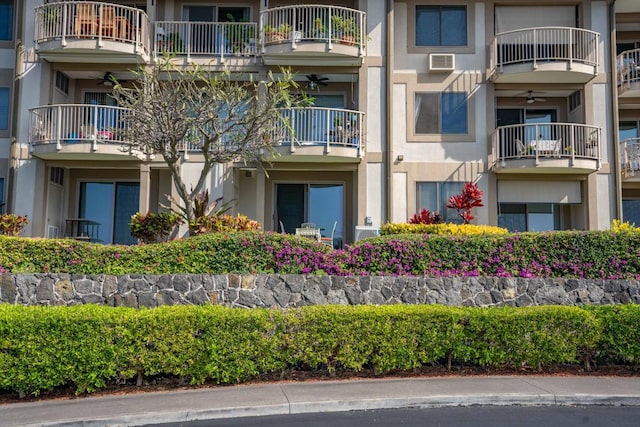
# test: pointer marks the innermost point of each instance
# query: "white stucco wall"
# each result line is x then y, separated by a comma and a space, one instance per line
376, 100
375, 190
399, 197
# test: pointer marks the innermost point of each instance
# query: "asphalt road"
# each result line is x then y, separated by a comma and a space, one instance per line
473, 416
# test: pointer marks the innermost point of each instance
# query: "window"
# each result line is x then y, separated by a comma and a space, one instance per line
6, 19
1, 194
434, 197
56, 175
441, 26
62, 82
630, 211
529, 216
4, 108
444, 112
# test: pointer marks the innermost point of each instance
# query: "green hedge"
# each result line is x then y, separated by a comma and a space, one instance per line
90, 347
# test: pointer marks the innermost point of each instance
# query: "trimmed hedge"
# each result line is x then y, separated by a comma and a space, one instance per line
593, 254
446, 229
89, 347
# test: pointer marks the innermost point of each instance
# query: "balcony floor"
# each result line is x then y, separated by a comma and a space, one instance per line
544, 72
92, 51
547, 165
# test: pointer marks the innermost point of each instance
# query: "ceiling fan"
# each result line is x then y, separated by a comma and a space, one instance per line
108, 79
315, 81
531, 98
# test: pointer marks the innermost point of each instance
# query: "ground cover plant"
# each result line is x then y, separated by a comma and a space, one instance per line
90, 347
581, 254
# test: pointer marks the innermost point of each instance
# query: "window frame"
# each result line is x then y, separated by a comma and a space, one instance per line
448, 215
9, 41
4, 133
441, 112
413, 47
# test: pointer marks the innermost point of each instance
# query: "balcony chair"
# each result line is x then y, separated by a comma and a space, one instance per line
521, 150
329, 239
282, 230
108, 21
86, 22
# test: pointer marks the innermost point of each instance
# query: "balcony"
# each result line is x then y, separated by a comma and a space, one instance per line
77, 132
206, 40
559, 148
628, 71
313, 35
543, 55
321, 135
630, 157
83, 32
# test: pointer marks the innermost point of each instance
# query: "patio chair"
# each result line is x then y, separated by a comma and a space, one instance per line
108, 21
86, 22
282, 230
329, 239
521, 150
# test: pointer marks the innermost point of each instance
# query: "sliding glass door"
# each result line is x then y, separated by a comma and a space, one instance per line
321, 204
111, 205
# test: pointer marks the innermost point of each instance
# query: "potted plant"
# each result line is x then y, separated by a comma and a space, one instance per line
274, 34
319, 29
337, 27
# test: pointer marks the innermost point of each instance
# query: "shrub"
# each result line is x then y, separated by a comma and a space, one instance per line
426, 217
618, 226
153, 227
223, 223
446, 229
12, 225
90, 347
471, 197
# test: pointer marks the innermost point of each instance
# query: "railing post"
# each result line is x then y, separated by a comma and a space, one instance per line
188, 41
329, 30
572, 144
63, 39
291, 131
569, 46
58, 128
294, 28
100, 42
535, 49
327, 133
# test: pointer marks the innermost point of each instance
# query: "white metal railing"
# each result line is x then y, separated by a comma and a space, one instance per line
64, 124
546, 140
630, 156
323, 126
628, 68
315, 23
92, 20
206, 38
545, 44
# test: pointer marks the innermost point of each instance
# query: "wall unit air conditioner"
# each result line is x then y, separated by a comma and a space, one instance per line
366, 231
442, 62
53, 231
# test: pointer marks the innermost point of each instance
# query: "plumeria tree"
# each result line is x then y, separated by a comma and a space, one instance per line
471, 197
219, 116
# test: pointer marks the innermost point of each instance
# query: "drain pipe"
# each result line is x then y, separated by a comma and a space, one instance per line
613, 85
389, 111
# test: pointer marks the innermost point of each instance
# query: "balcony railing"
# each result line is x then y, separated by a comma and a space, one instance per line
92, 20
65, 124
206, 38
630, 156
628, 68
329, 127
313, 23
533, 45
546, 141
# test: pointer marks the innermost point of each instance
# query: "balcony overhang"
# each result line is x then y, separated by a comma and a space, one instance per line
92, 51
82, 151
316, 154
556, 166
313, 53
630, 90
557, 72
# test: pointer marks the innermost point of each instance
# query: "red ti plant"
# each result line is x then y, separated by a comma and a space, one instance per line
426, 217
471, 197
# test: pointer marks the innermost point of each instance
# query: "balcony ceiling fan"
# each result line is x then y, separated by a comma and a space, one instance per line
315, 81
531, 98
108, 79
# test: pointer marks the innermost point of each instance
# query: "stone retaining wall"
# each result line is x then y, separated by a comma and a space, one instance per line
296, 290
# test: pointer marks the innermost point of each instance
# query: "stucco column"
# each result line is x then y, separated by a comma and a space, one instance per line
145, 187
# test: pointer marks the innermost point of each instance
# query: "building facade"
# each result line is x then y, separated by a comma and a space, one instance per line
536, 102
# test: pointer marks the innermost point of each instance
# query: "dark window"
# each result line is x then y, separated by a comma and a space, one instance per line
441, 26
6, 19
62, 82
434, 197
444, 112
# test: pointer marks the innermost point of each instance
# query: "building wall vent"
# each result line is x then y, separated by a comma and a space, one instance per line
442, 62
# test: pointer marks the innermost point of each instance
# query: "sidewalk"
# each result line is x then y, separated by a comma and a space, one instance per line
329, 396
